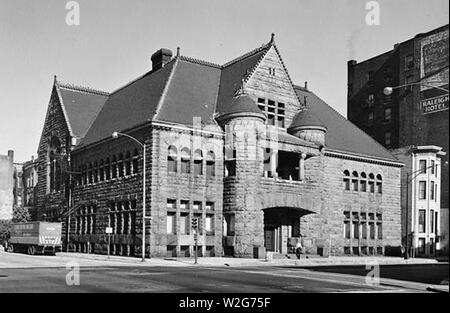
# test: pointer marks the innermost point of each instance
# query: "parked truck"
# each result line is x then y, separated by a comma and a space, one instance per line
35, 237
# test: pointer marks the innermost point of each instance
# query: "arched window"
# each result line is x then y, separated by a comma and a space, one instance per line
379, 184
102, 170
210, 164
355, 180
198, 162
54, 165
107, 169
135, 162
172, 156
114, 167
371, 183
363, 182
185, 160
346, 180
128, 163
120, 165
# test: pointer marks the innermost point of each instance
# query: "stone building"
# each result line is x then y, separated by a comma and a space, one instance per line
29, 182
412, 115
261, 162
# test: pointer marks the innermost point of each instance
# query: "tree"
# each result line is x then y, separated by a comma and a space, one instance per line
20, 214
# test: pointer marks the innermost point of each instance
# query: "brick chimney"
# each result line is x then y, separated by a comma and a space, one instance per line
160, 58
11, 155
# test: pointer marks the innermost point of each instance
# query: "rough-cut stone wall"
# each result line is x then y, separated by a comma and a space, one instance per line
327, 228
50, 203
102, 193
185, 187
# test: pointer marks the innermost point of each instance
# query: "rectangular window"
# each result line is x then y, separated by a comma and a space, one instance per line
372, 230
185, 166
197, 205
370, 76
436, 221
355, 230
371, 100
372, 186
209, 206
210, 168
380, 230
355, 184
387, 139
409, 80
184, 224
209, 224
230, 166
364, 230
422, 190
387, 115
184, 204
432, 222
423, 166
370, 119
347, 183
171, 204
432, 166
347, 229
422, 221
171, 223
363, 184
432, 190
409, 61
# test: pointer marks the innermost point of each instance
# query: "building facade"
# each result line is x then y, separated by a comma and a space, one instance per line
6, 185
421, 180
29, 182
411, 115
260, 162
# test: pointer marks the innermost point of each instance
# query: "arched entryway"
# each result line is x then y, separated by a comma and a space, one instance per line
282, 228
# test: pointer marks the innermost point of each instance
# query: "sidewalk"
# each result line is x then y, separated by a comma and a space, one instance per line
229, 261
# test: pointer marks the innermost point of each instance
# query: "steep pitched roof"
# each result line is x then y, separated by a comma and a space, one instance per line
80, 106
191, 92
131, 105
234, 73
342, 135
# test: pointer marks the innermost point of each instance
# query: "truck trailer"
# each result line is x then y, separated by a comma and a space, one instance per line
35, 237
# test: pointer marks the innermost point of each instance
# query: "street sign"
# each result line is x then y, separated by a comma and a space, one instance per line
108, 230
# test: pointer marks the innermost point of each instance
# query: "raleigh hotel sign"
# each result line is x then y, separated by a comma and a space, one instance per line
435, 104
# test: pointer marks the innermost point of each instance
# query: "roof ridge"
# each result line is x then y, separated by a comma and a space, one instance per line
198, 61
82, 88
246, 55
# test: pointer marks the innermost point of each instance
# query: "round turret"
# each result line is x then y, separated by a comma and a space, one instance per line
241, 106
307, 126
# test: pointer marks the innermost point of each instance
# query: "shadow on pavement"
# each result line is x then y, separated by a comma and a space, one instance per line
436, 274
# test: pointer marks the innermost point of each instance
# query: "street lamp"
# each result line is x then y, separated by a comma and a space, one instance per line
409, 179
116, 135
388, 90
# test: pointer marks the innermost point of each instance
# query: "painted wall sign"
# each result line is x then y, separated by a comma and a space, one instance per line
435, 104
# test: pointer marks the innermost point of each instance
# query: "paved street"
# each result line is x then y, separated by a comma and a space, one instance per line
23, 273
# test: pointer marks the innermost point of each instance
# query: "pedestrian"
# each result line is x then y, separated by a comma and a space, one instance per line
298, 249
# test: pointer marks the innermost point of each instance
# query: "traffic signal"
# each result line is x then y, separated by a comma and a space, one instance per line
194, 223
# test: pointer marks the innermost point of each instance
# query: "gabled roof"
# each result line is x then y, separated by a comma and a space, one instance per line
191, 93
234, 74
80, 106
342, 135
131, 105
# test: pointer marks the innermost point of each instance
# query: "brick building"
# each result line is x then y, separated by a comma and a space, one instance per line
261, 162
413, 115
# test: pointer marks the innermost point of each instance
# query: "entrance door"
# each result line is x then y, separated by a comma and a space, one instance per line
269, 239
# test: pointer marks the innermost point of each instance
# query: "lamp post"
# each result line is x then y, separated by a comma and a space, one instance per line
142, 145
409, 179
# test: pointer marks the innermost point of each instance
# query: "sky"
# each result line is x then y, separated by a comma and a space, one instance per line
114, 40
